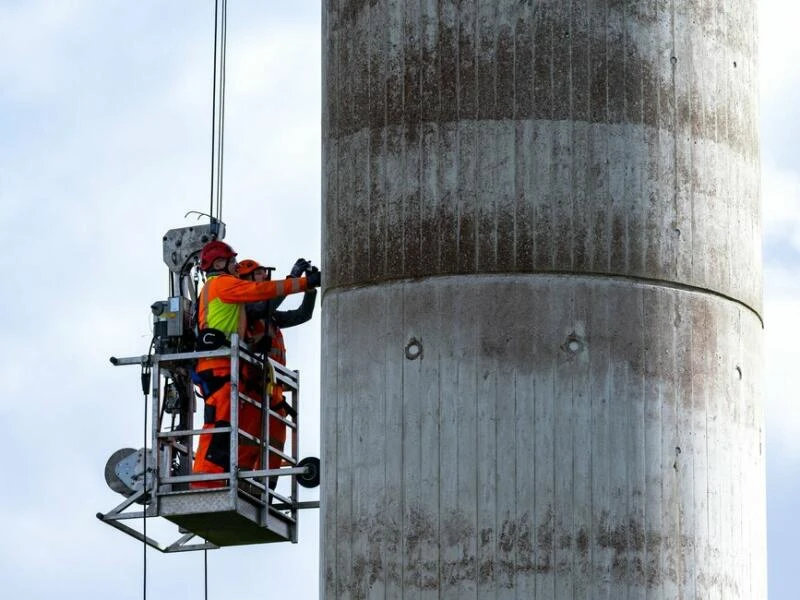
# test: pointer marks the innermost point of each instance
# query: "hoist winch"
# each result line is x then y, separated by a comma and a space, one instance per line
249, 506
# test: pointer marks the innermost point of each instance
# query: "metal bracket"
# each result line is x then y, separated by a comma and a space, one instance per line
181, 244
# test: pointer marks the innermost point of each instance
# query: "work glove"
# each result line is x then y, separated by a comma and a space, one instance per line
299, 267
314, 278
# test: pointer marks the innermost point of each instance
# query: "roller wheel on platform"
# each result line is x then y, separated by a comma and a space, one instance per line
309, 479
112, 479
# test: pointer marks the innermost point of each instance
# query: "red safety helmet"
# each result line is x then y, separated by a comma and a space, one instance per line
247, 266
212, 251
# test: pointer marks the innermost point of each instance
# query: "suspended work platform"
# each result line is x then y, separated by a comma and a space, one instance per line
158, 481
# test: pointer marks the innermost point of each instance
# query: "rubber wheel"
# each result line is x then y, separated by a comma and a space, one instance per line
309, 479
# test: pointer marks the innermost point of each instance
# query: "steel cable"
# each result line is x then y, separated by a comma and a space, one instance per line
218, 107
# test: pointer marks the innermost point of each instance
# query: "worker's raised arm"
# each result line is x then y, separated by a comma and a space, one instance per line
233, 290
299, 315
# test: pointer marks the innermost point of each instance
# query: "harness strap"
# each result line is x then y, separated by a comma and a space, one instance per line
208, 383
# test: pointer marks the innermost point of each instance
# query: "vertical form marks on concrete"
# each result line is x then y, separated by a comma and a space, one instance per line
431, 141
523, 178
467, 91
557, 202
636, 512
377, 212
506, 159
580, 68
444, 219
633, 83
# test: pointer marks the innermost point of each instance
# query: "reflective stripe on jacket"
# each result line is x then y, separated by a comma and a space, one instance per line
221, 305
277, 349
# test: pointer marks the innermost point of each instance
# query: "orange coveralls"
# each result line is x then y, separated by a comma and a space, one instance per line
268, 329
249, 457
221, 307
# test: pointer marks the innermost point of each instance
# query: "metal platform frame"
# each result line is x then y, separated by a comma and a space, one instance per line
245, 510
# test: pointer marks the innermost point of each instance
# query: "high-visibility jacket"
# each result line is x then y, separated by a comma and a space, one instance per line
277, 349
221, 305
259, 313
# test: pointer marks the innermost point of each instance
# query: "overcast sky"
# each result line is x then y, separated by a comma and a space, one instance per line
104, 145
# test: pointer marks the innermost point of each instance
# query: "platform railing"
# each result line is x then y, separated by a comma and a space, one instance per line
246, 498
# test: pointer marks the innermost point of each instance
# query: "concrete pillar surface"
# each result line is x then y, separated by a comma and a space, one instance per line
541, 314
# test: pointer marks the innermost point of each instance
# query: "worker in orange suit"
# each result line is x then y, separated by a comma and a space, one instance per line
221, 312
264, 333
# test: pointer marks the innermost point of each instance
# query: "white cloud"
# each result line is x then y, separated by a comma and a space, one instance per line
781, 203
108, 147
33, 39
783, 409
779, 45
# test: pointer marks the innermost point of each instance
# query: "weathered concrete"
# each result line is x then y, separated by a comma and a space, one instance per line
541, 332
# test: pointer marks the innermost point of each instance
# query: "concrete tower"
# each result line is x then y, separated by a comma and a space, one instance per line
541, 318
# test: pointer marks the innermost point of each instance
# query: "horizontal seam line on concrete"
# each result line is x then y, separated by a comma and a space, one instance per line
588, 275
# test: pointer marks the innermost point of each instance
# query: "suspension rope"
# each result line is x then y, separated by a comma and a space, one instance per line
213, 114
144, 505
218, 107
217, 144
222, 83
146, 374
215, 214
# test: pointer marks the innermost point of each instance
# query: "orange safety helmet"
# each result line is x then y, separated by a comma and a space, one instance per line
212, 251
247, 266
